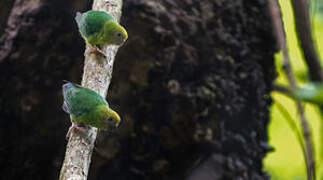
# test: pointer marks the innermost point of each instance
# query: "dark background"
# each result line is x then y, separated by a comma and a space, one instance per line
191, 84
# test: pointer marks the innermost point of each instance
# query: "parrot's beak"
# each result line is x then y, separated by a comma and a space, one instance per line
115, 116
125, 34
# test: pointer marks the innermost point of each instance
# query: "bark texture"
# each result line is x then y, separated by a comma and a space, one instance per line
191, 84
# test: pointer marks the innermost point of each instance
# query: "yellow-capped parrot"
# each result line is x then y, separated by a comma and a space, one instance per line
86, 107
98, 28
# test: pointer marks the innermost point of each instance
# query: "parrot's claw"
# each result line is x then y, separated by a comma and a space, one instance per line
108, 3
74, 127
95, 49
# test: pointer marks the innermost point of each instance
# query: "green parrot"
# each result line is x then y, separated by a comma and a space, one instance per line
99, 28
311, 92
86, 107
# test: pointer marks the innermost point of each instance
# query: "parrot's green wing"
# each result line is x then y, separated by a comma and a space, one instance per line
91, 22
79, 100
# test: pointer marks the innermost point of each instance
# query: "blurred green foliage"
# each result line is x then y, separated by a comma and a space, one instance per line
287, 161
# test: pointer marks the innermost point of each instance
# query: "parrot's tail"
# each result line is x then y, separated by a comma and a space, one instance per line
78, 18
67, 86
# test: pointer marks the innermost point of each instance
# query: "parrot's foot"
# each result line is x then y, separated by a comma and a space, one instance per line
96, 50
74, 127
108, 3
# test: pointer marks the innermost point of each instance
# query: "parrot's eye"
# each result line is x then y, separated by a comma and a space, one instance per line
110, 119
119, 38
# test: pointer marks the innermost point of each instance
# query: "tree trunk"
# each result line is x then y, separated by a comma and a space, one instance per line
191, 84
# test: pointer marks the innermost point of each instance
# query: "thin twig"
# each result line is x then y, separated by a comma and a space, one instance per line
304, 28
97, 76
282, 89
280, 35
304, 33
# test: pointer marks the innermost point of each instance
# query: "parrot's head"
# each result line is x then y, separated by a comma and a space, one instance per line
120, 36
113, 119
117, 34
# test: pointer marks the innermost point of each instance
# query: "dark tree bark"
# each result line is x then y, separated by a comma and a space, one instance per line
191, 84
5, 7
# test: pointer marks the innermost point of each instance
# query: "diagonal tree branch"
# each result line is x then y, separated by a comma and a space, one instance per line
97, 76
281, 39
